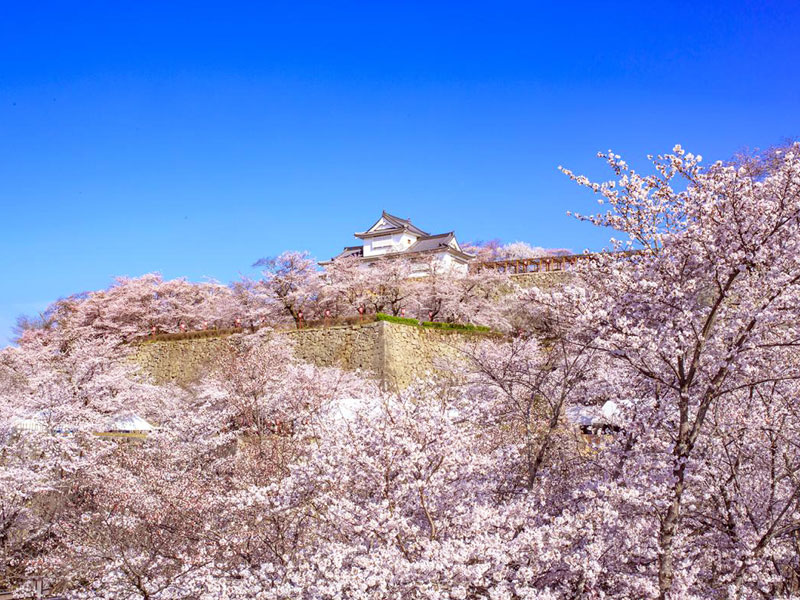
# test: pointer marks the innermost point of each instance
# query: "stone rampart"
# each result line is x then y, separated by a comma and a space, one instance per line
395, 354
180, 361
349, 347
411, 352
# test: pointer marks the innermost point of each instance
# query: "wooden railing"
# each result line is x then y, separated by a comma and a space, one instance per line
540, 264
546, 264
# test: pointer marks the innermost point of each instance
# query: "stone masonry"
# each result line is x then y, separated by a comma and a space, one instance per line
394, 354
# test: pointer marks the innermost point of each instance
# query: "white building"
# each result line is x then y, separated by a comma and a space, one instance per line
393, 237
125, 425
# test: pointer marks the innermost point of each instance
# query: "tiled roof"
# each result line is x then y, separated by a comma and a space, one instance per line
402, 223
424, 242
350, 252
431, 242
396, 223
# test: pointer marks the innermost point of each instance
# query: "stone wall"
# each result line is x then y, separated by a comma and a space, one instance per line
350, 347
411, 352
394, 354
180, 361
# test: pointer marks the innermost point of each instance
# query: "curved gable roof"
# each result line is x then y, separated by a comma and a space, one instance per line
395, 224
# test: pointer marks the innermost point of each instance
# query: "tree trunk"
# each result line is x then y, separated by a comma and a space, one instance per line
666, 569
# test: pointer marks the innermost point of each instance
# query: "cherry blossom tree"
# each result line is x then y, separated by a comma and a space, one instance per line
132, 307
524, 388
346, 284
292, 281
152, 518
496, 250
474, 297
521, 250
698, 327
484, 250
447, 294
57, 398
432, 288
275, 479
388, 286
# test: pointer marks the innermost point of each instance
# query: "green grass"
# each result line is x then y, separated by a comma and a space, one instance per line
187, 335
456, 326
208, 333
459, 327
393, 319
337, 321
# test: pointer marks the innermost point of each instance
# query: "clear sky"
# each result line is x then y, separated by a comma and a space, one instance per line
193, 138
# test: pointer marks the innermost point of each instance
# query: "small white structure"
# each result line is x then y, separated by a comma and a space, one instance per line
28, 424
41, 421
128, 425
131, 423
393, 237
594, 419
124, 425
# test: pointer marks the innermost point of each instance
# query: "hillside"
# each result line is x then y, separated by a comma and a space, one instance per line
626, 426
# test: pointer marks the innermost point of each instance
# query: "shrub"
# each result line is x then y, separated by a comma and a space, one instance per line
188, 335
393, 319
335, 321
463, 327
456, 326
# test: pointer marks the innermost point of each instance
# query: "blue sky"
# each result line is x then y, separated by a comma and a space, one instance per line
193, 138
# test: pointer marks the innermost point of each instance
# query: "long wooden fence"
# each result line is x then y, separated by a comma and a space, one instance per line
540, 264
546, 264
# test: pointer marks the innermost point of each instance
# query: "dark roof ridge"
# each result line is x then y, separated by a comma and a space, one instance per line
393, 220
405, 223
437, 235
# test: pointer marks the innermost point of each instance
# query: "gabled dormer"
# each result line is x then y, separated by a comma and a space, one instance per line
389, 234
388, 224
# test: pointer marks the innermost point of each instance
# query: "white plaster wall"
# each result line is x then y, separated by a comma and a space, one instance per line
449, 262
443, 261
407, 239
376, 246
